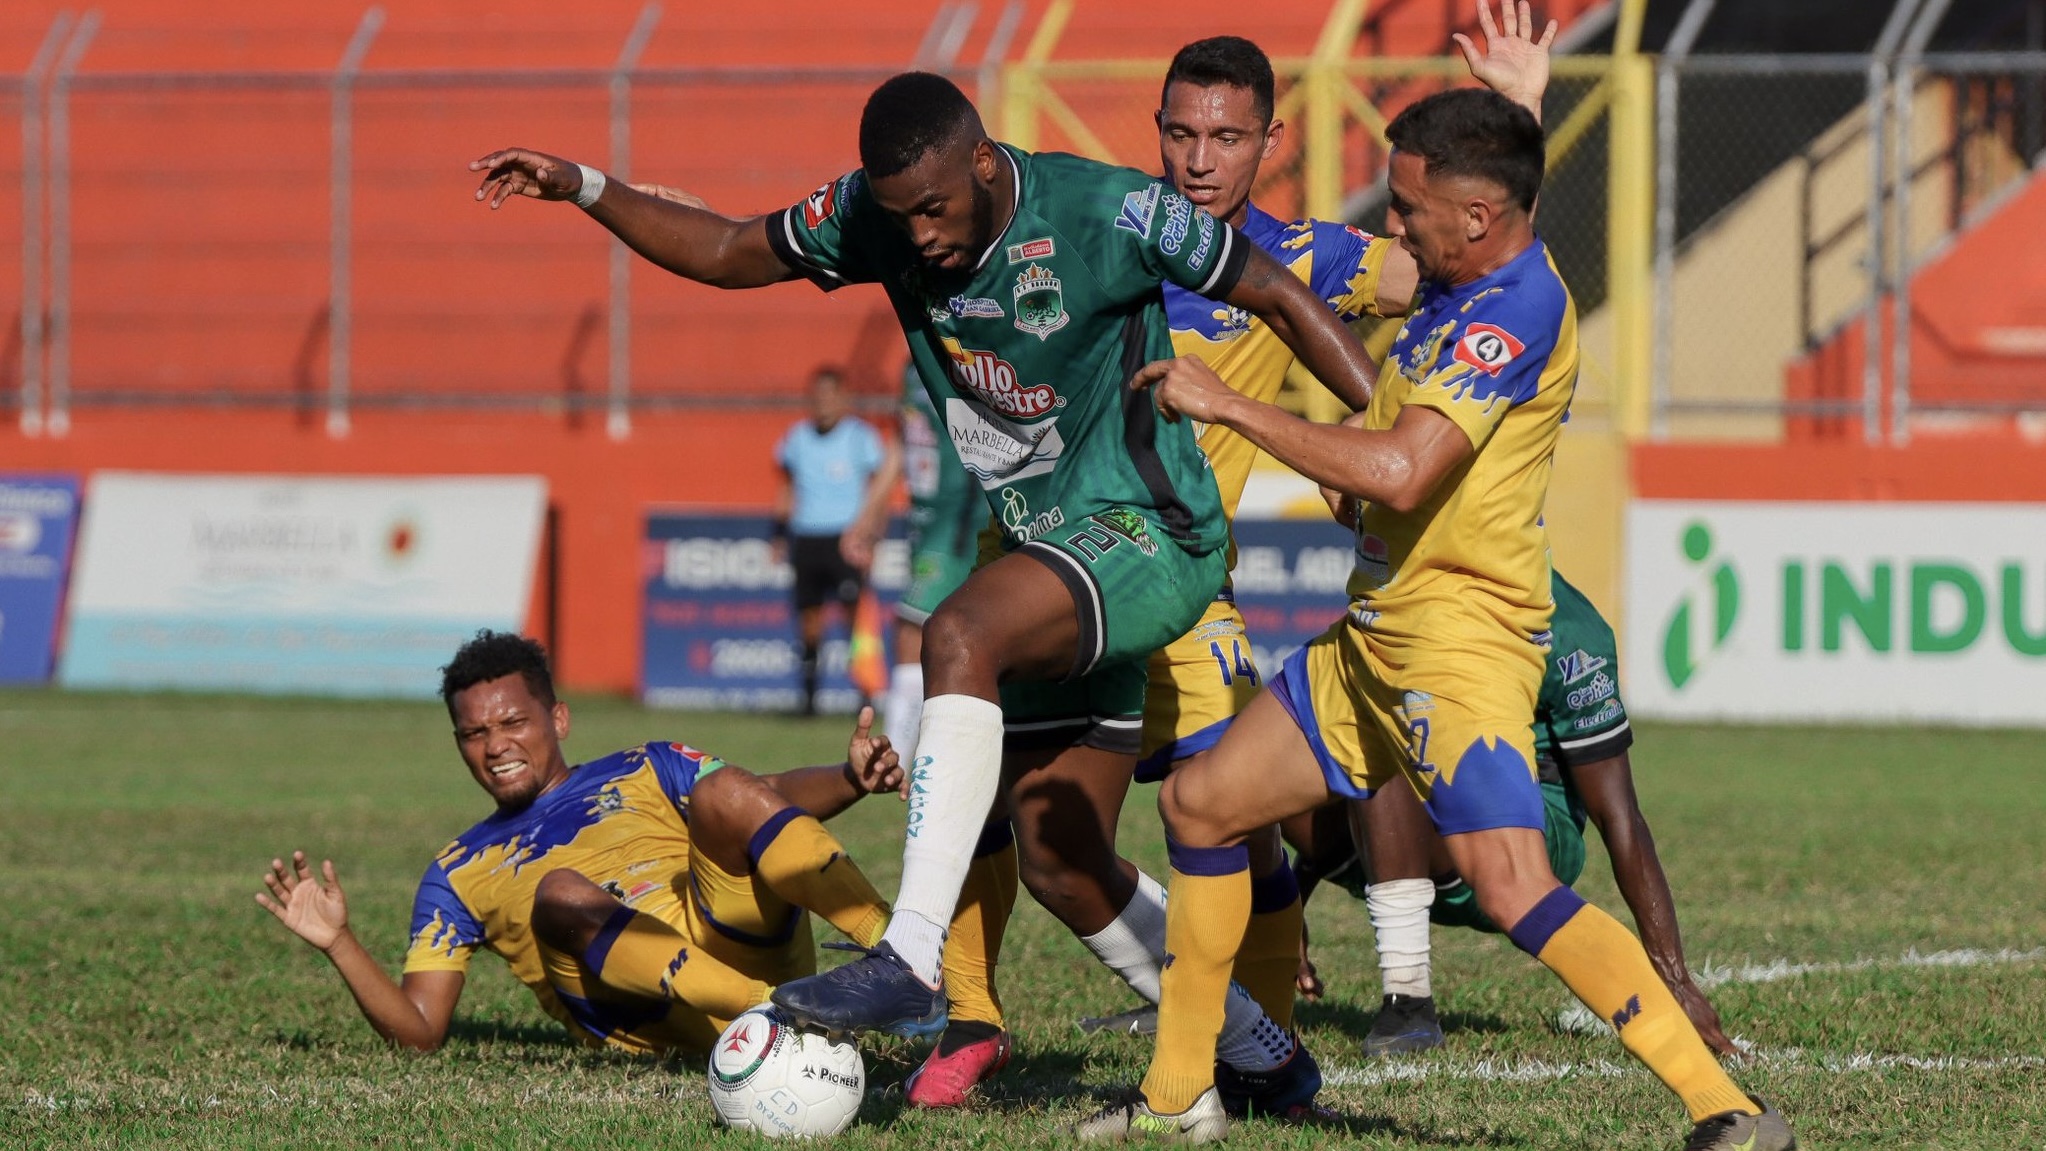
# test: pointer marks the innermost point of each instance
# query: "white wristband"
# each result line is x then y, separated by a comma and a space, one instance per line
593, 186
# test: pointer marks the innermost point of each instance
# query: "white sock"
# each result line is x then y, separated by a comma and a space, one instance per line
1399, 918
1134, 947
953, 781
905, 708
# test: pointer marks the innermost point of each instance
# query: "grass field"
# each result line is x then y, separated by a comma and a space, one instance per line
1873, 902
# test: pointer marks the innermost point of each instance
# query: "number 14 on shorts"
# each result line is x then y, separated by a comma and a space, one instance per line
1233, 663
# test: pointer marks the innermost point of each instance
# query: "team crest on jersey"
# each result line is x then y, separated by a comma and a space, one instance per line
1488, 348
820, 205
1041, 248
992, 380
1137, 210
1040, 302
1130, 526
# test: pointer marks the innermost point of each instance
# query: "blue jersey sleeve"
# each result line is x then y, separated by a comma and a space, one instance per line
870, 449
678, 766
1347, 266
445, 933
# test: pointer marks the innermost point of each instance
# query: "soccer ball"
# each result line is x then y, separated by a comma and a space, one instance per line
767, 1076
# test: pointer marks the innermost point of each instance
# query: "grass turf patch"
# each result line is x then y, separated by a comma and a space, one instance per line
148, 1002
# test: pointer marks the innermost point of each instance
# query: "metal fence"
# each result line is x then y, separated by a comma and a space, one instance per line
305, 239
1803, 202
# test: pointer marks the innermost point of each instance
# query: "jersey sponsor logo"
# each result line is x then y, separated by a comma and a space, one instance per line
1137, 210
1600, 688
820, 205
967, 308
1040, 303
1606, 713
1130, 526
1374, 558
1200, 252
1488, 348
1178, 218
1039, 249
1578, 664
996, 451
992, 380
1024, 526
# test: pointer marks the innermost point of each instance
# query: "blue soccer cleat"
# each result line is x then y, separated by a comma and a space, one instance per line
874, 993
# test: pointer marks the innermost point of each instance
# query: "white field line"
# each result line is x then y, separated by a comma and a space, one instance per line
1576, 1019
1543, 1071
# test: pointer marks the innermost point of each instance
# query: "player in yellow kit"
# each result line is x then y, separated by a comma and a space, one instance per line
645, 897
1433, 673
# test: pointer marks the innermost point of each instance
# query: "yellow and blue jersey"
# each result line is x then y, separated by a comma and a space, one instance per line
1341, 264
1498, 357
620, 820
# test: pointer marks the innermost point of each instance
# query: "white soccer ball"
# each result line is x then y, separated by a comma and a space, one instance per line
767, 1076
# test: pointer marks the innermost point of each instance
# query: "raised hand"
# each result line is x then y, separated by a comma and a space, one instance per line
1514, 63
315, 913
871, 759
517, 172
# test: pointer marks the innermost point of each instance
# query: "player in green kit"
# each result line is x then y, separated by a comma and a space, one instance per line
1029, 289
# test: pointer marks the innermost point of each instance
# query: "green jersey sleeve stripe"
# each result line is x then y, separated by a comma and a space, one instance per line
781, 236
1140, 436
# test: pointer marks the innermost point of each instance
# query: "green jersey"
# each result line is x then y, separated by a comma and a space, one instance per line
1028, 354
945, 510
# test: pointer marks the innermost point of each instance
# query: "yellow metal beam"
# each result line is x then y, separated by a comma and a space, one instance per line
1085, 142
1323, 194
1630, 243
1046, 39
1567, 135
1023, 87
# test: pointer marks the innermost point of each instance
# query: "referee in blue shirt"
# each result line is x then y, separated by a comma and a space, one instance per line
828, 462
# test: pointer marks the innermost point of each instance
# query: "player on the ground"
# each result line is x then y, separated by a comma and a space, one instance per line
1435, 669
646, 897
1581, 737
1029, 289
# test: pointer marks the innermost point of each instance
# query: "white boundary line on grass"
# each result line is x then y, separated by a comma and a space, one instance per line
1577, 1020
1543, 1071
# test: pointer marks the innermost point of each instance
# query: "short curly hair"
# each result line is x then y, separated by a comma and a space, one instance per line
494, 655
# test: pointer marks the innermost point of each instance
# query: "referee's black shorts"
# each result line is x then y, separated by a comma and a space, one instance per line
822, 575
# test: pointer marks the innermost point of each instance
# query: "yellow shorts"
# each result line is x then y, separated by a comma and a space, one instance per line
1457, 716
730, 920
1197, 685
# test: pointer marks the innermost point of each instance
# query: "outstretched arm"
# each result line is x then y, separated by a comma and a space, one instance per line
413, 1013
689, 241
1320, 341
1399, 467
870, 766
1607, 788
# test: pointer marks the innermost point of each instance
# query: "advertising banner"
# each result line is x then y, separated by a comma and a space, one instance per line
331, 586
36, 517
720, 631
1917, 612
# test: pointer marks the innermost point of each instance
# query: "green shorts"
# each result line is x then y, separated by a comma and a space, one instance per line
933, 575
1136, 591
1563, 832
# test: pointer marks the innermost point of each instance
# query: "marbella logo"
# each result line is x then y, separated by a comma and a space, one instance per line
1705, 615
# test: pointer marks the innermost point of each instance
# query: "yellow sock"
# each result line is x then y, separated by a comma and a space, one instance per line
1604, 965
640, 955
803, 863
974, 942
1204, 921
1268, 963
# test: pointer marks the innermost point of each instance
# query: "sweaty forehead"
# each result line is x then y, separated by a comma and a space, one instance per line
1211, 106
493, 699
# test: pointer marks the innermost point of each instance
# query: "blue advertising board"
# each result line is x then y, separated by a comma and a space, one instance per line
719, 628
37, 514
720, 631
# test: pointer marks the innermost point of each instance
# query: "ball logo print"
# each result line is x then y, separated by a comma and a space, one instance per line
1698, 629
769, 1077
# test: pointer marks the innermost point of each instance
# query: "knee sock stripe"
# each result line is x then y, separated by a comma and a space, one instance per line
764, 838
600, 947
1544, 919
1207, 860
994, 837
1269, 893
